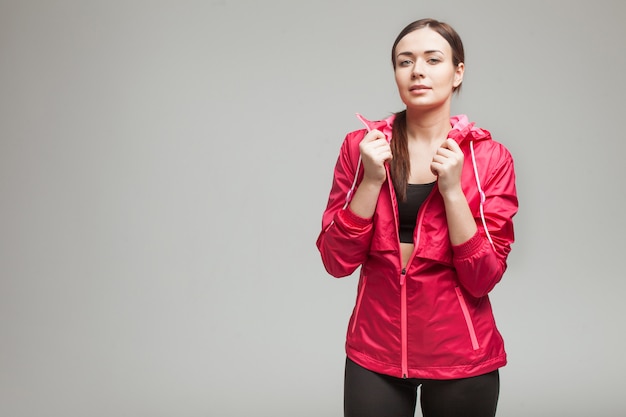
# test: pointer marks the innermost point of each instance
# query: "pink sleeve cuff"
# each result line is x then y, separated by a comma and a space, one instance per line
352, 220
470, 247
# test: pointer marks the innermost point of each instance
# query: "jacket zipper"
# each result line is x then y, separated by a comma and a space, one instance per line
403, 301
403, 307
403, 324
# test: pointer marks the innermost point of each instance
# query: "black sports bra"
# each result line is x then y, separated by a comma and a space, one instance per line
416, 194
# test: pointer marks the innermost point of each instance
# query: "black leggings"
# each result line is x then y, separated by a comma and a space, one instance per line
369, 394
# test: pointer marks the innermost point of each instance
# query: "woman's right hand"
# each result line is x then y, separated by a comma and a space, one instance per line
375, 151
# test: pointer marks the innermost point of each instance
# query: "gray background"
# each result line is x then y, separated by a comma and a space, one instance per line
163, 170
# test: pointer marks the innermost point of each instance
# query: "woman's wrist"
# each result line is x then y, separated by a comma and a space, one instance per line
453, 195
371, 184
363, 203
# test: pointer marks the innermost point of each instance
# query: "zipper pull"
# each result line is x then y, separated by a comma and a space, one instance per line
403, 277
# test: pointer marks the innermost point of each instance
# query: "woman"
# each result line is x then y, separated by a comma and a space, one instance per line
423, 202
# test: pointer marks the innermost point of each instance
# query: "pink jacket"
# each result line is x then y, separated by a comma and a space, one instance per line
434, 319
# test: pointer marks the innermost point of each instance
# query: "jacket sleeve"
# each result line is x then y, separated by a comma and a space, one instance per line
479, 265
345, 237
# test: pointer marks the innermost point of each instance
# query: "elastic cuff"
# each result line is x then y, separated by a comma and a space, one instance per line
352, 220
469, 247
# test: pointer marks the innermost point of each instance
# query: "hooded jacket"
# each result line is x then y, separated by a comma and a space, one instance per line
432, 319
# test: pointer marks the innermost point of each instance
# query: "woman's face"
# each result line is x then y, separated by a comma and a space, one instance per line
425, 74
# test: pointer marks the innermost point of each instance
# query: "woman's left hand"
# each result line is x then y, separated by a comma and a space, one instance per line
447, 165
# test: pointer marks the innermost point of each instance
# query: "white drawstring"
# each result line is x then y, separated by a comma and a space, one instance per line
356, 175
482, 196
358, 166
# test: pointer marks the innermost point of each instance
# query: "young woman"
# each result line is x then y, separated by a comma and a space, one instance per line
423, 202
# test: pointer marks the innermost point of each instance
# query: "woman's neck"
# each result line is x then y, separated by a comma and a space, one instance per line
427, 126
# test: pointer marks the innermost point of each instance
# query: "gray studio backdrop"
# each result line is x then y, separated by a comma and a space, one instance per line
163, 170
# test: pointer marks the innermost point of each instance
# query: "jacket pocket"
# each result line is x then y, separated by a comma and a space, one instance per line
468, 319
357, 307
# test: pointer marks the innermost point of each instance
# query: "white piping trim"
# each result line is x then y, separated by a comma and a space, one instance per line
482, 195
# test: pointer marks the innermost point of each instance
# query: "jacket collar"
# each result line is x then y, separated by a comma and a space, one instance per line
462, 128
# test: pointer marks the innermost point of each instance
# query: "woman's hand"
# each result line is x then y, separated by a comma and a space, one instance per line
375, 151
447, 165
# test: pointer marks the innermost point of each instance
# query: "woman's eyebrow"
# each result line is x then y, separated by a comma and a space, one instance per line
405, 54
430, 51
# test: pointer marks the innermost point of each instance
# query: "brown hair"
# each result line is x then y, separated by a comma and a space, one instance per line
400, 165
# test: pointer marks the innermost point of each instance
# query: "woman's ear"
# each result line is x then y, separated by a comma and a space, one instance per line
458, 75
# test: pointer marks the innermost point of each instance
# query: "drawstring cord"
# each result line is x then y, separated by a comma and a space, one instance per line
482, 195
349, 194
358, 167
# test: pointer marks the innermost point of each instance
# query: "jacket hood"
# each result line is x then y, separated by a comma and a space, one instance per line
462, 128
385, 125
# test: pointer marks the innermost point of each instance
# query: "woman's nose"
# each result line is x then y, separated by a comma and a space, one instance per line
418, 70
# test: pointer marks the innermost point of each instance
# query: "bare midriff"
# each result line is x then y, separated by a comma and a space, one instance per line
406, 249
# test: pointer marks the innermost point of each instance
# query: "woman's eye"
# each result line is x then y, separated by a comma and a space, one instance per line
405, 63
433, 60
